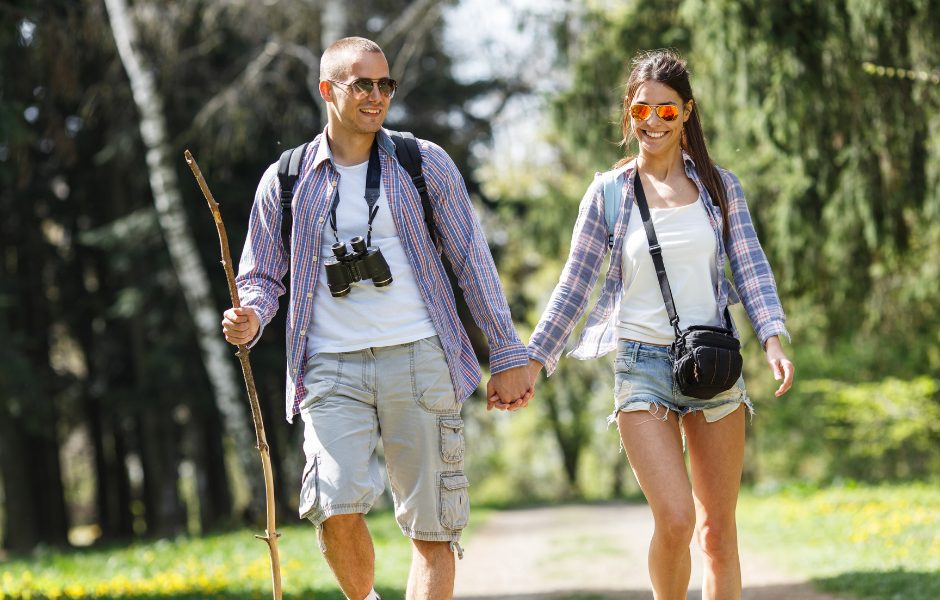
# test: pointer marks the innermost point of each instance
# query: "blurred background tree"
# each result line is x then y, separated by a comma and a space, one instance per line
110, 424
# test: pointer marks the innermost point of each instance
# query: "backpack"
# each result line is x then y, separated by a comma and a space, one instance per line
612, 184
409, 157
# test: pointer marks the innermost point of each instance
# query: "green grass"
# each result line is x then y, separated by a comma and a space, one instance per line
866, 542
229, 566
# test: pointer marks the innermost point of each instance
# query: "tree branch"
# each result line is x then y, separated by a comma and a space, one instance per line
230, 94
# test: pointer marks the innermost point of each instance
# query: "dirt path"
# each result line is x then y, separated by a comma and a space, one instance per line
588, 551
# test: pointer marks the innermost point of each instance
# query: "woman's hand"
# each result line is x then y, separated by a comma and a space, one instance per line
779, 363
531, 372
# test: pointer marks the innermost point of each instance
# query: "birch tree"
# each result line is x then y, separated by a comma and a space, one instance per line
179, 239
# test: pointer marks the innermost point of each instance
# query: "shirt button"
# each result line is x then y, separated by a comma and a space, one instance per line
309, 294
320, 220
303, 332
314, 259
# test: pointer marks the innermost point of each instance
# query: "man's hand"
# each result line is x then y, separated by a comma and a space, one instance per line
780, 365
505, 400
240, 325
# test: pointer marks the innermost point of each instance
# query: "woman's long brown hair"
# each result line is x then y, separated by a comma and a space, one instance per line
666, 67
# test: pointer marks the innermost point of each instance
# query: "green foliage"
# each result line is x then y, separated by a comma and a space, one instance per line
840, 166
889, 429
233, 566
869, 542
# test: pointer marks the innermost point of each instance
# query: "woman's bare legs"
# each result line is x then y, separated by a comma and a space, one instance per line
654, 447
716, 454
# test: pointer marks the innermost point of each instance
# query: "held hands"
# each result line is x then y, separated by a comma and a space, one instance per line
513, 388
779, 363
240, 325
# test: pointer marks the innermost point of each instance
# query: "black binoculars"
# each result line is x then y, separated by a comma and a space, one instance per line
343, 269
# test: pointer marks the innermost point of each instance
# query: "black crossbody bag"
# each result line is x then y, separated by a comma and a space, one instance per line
706, 360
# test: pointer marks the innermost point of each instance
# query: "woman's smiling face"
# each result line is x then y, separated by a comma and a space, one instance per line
656, 135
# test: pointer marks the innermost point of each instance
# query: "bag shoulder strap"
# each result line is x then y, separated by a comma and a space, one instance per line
612, 184
288, 172
656, 253
409, 157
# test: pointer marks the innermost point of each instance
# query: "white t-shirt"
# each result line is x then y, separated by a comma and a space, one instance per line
367, 316
689, 250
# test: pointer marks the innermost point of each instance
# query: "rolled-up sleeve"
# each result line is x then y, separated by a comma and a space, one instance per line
465, 247
263, 261
570, 298
753, 277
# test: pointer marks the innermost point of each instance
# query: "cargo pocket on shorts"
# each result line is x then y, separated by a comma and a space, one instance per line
455, 501
452, 444
321, 376
430, 377
310, 488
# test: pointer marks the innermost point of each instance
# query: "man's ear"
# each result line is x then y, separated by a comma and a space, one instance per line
326, 90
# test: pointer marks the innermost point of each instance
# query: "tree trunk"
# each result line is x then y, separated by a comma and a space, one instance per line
29, 450
569, 437
180, 242
212, 486
334, 21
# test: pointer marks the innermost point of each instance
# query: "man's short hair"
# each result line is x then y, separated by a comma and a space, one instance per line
336, 58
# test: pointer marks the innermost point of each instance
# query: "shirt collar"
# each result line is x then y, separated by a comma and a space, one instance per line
689, 165
324, 153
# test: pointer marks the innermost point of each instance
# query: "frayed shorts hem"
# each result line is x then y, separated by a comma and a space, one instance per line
653, 405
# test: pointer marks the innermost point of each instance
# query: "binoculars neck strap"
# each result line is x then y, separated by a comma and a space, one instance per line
373, 186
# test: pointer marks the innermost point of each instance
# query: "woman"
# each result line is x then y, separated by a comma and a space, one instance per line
701, 219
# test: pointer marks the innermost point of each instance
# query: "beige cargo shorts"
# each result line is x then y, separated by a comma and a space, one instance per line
402, 394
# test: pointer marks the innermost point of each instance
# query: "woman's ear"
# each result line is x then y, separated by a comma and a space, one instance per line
688, 110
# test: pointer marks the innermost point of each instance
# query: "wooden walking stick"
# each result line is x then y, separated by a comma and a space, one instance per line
270, 535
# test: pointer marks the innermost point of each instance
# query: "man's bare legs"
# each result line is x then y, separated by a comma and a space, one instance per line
350, 554
432, 571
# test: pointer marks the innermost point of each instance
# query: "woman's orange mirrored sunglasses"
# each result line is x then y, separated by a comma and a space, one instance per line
666, 112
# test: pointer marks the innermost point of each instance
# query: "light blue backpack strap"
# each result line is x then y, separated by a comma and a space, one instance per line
613, 185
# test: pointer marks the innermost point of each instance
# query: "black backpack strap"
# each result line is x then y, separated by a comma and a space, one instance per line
288, 171
409, 157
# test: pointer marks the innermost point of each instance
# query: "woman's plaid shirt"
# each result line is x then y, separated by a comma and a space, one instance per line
753, 278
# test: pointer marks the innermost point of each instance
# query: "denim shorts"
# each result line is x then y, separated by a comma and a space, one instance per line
402, 394
643, 381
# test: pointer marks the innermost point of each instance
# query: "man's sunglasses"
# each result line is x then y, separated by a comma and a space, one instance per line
364, 87
666, 112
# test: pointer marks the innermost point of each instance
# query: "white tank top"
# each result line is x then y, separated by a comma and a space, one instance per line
368, 316
689, 250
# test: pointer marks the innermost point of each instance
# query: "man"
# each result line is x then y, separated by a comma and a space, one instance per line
388, 359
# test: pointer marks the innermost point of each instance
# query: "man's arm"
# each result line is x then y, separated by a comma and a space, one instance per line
465, 246
262, 266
